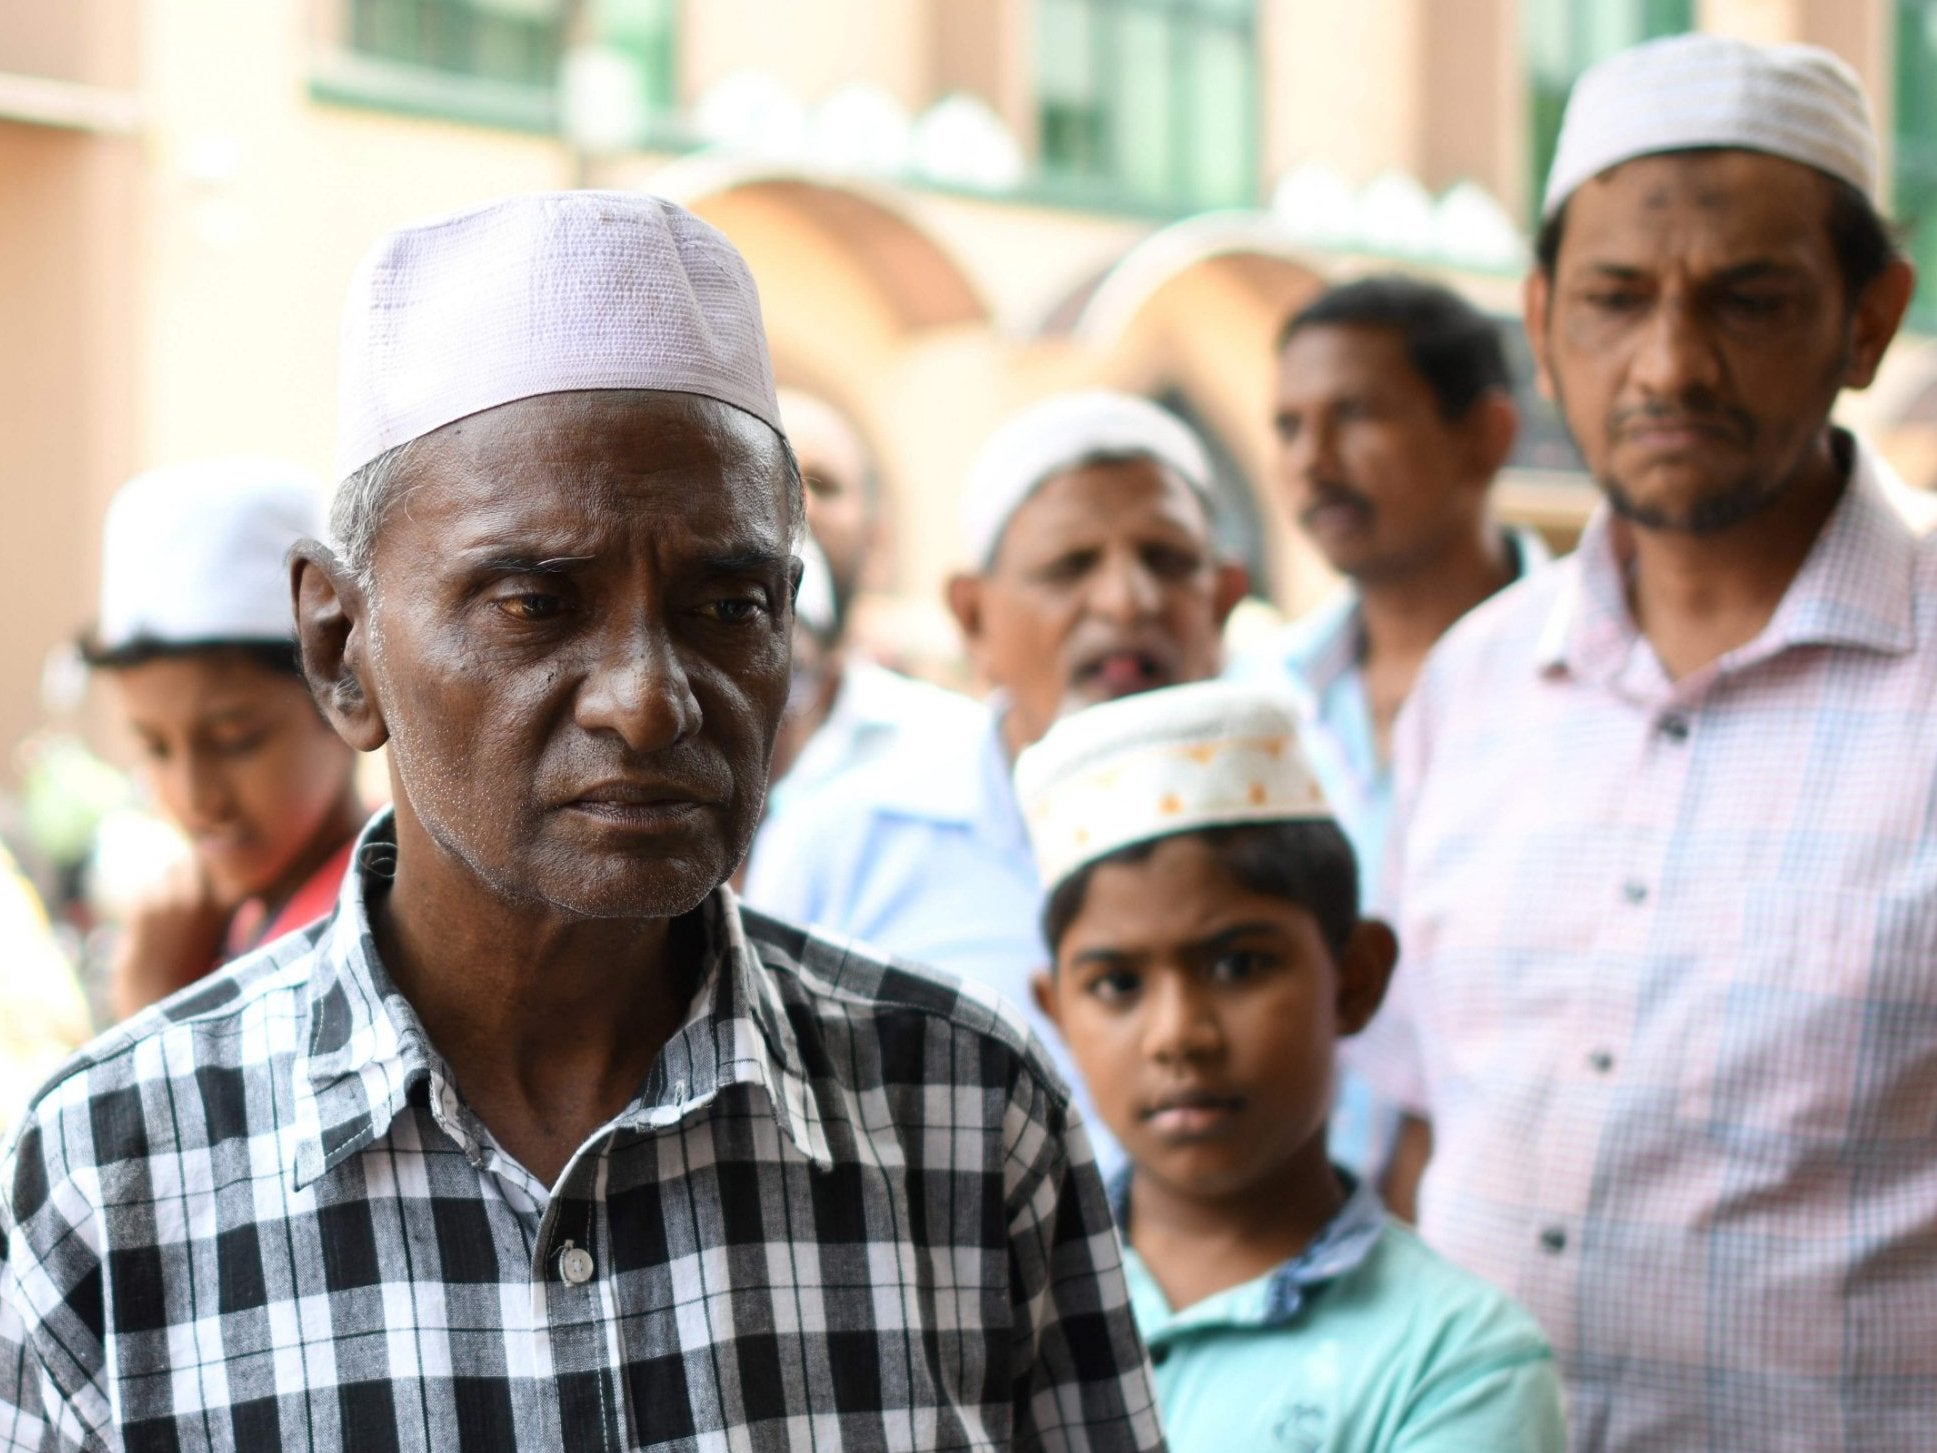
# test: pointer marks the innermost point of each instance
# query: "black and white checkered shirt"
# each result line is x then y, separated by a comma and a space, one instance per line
848, 1210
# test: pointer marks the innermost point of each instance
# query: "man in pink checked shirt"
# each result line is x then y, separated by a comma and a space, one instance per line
1664, 864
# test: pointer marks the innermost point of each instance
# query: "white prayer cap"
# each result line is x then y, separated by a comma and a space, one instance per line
1688, 92
1060, 433
1180, 758
195, 553
544, 294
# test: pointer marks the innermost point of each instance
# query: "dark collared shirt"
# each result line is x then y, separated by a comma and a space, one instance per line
849, 1209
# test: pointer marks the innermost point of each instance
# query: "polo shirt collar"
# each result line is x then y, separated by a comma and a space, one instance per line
1339, 1249
364, 1050
1854, 589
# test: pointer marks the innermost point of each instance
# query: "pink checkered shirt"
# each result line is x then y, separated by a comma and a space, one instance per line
1669, 994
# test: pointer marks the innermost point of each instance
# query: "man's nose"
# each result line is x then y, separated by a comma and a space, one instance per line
638, 689
1123, 588
1676, 357
1180, 1021
1310, 453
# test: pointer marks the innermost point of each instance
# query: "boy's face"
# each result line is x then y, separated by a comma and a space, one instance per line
1203, 1015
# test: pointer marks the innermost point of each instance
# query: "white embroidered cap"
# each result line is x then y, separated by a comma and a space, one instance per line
195, 552
1061, 433
1209, 754
543, 294
1692, 91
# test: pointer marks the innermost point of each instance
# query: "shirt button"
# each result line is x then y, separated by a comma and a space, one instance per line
575, 1265
1159, 1355
1601, 1060
1674, 727
1635, 891
1553, 1239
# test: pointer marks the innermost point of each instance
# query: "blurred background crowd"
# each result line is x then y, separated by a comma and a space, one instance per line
952, 208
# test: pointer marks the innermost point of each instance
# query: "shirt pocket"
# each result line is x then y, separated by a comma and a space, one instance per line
1820, 1036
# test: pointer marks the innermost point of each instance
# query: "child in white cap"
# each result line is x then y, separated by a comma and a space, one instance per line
1202, 909
196, 632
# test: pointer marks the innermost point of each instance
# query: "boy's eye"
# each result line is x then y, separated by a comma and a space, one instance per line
239, 743
1113, 986
1239, 965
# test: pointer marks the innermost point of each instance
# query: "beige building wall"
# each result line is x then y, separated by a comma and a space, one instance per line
180, 284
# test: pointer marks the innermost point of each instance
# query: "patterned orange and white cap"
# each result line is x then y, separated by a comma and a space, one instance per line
1210, 754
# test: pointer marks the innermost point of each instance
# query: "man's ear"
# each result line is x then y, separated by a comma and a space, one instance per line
1232, 585
1537, 300
1364, 971
1491, 425
963, 594
1875, 319
332, 632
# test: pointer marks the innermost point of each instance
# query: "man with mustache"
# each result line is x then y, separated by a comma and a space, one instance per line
1665, 867
539, 1141
1393, 415
1087, 519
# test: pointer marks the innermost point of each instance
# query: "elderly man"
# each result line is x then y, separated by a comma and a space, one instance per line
1666, 874
537, 1142
1088, 521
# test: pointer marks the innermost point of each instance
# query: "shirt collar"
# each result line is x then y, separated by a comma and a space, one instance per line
365, 1050
1339, 1248
1323, 646
1854, 588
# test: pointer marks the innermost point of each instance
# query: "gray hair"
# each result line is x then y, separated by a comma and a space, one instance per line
364, 498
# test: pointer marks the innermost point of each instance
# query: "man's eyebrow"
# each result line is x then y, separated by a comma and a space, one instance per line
1108, 958
748, 560
530, 564
1760, 270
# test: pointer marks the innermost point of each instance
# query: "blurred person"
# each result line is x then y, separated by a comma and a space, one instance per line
1664, 866
43, 1015
1088, 519
843, 490
1394, 412
1207, 954
196, 635
853, 710
539, 1141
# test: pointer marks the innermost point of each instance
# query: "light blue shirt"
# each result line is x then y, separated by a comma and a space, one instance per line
1365, 1342
924, 856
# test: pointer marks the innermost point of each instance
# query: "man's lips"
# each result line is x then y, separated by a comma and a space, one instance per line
1333, 512
638, 804
1120, 673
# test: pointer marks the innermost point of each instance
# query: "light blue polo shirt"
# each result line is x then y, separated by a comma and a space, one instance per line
1366, 1342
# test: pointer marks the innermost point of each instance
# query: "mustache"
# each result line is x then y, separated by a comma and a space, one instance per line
1331, 493
1693, 413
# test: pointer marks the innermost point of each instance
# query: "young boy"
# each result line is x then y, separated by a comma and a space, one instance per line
1203, 916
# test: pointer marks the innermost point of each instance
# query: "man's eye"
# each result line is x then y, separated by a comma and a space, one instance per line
1066, 568
735, 610
1615, 301
1753, 305
1169, 563
531, 608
